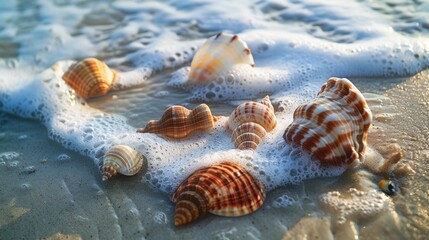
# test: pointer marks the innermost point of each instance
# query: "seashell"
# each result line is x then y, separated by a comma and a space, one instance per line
90, 77
179, 122
217, 56
250, 122
333, 127
121, 159
224, 189
388, 187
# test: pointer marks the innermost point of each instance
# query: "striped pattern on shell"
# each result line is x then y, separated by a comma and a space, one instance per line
249, 123
224, 189
121, 159
217, 56
178, 122
90, 77
333, 127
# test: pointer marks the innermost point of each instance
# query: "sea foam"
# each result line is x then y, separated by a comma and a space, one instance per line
297, 46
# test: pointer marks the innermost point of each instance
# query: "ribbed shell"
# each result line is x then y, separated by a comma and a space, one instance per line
90, 77
179, 122
121, 159
217, 56
225, 189
250, 122
333, 127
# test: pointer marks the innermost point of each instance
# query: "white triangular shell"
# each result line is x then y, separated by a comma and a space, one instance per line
121, 159
217, 56
333, 127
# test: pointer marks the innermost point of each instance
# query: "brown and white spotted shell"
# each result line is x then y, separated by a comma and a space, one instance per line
217, 56
178, 122
250, 122
90, 77
333, 127
121, 159
224, 189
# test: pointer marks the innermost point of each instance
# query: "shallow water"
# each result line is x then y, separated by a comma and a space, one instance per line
49, 139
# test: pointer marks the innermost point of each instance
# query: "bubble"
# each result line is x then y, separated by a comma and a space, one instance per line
160, 218
14, 164
63, 157
7, 156
25, 186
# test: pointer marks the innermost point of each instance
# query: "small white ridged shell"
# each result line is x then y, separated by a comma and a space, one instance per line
121, 159
333, 127
217, 56
250, 122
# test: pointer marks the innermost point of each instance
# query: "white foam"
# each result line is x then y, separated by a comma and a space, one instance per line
297, 46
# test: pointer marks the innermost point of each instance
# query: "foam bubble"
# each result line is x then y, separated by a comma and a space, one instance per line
292, 61
355, 203
283, 202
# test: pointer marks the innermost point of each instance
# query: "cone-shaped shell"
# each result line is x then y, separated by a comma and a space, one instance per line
90, 77
178, 122
121, 159
250, 121
248, 135
225, 189
333, 127
217, 56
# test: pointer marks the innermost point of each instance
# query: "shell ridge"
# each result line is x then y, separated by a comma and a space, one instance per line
333, 127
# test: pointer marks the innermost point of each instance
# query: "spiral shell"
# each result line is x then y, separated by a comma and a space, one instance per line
224, 189
121, 159
333, 127
178, 122
217, 56
90, 77
250, 122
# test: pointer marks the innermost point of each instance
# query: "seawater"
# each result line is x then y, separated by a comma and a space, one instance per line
297, 46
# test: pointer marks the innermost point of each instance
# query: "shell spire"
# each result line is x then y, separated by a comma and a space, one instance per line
333, 127
121, 159
225, 189
217, 56
178, 122
250, 122
90, 77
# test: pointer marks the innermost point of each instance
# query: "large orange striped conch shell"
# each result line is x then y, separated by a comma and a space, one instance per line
250, 122
179, 122
90, 77
121, 159
225, 189
333, 127
217, 56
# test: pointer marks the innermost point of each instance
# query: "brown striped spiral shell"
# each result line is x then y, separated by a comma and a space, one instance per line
249, 123
178, 122
217, 56
224, 189
121, 159
333, 127
90, 77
